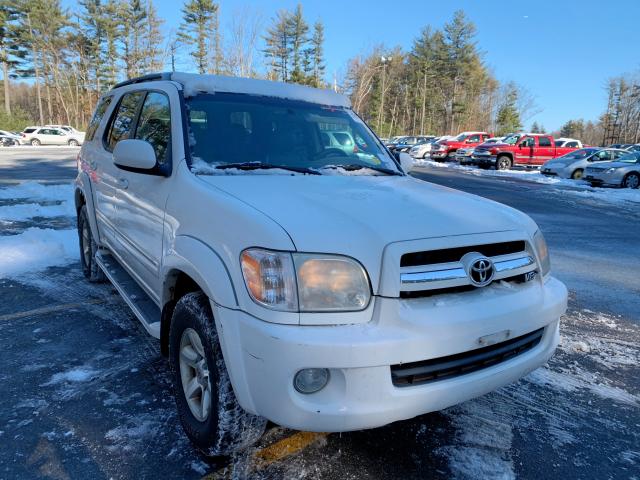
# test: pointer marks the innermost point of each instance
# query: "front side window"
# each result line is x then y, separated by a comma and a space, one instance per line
474, 139
101, 109
123, 119
528, 142
240, 129
154, 125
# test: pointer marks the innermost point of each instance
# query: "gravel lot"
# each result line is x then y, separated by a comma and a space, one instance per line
86, 393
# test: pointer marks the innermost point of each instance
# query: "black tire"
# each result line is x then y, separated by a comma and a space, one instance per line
73, 143
88, 249
35, 142
577, 174
631, 180
227, 428
503, 163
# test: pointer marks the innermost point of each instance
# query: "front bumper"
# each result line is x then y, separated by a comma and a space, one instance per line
484, 160
465, 159
439, 154
613, 179
262, 357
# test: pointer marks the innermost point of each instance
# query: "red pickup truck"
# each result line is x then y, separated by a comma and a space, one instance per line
523, 149
447, 148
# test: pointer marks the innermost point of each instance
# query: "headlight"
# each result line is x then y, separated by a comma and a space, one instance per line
305, 282
610, 170
540, 245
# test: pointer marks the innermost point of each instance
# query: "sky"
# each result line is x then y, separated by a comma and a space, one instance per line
562, 52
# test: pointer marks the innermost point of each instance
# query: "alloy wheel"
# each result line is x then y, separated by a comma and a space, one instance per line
194, 373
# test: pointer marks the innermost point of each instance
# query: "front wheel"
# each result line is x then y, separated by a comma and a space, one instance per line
211, 416
577, 174
35, 142
632, 180
503, 163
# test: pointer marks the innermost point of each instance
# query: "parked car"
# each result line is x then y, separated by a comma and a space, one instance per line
50, 136
289, 280
531, 149
634, 148
406, 143
391, 142
9, 138
568, 142
463, 155
341, 140
572, 164
623, 172
422, 150
447, 149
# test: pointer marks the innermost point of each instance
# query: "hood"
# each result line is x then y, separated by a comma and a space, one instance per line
359, 215
562, 163
493, 144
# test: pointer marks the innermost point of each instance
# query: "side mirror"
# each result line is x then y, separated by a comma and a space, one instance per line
134, 154
406, 162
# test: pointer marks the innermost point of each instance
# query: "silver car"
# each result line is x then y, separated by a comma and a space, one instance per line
573, 164
624, 172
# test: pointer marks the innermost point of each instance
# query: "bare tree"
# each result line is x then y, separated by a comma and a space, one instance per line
244, 31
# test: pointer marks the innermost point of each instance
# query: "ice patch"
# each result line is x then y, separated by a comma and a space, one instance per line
74, 375
36, 249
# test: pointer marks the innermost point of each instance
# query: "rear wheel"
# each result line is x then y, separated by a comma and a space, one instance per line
632, 180
35, 142
88, 249
503, 163
211, 416
73, 143
577, 174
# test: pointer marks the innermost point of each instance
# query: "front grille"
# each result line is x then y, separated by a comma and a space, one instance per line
435, 369
448, 255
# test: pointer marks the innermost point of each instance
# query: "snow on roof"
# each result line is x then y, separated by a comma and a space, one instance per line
193, 83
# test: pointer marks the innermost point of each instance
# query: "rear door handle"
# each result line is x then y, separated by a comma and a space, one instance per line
123, 183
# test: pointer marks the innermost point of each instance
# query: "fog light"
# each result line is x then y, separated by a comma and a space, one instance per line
311, 380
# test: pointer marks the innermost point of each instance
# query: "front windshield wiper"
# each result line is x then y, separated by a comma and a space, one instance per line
354, 166
267, 166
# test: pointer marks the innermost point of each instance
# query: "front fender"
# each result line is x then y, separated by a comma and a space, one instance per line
84, 190
204, 265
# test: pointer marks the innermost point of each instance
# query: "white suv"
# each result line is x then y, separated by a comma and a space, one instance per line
37, 136
287, 279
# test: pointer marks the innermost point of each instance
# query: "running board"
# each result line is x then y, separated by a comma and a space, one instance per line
142, 306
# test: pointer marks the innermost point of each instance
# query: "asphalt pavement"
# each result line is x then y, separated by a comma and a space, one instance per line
86, 392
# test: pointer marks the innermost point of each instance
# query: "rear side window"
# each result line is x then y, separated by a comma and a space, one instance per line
123, 119
154, 125
101, 109
29, 130
544, 142
572, 144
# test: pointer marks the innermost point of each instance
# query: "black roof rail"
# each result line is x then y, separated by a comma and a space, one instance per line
145, 78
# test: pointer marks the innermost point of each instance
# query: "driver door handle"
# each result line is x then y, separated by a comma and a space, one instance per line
123, 183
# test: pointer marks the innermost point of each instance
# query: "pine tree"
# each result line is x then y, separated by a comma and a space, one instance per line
12, 50
535, 128
298, 30
199, 31
152, 40
132, 15
508, 117
316, 54
278, 46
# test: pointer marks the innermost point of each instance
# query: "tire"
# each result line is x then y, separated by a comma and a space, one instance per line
35, 142
451, 157
88, 249
632, 180
503, 163
196, 359
577, 174
73, 143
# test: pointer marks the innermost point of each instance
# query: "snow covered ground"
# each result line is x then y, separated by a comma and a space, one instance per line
87, 394
571, 187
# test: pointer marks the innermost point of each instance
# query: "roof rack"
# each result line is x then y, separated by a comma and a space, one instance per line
145, 78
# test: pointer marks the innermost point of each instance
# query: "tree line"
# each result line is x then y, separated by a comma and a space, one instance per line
57, 62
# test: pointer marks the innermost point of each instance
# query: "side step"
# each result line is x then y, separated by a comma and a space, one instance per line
143, 307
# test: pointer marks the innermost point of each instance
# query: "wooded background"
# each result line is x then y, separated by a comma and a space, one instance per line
59, 61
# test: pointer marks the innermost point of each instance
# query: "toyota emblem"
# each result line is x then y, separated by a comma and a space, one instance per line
480, 269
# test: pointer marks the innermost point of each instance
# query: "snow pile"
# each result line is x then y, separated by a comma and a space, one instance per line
36, 249
74, 375
25, 211
37, 191
194, 83
200, 167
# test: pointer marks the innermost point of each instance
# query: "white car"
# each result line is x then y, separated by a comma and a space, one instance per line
50, 136
423, 150
9, 139
568, 142
573, 164
291, 281
67, 128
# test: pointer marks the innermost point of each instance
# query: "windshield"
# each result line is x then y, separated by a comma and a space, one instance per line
511, 139
582, 153
632, 157
235, 129
460, 137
